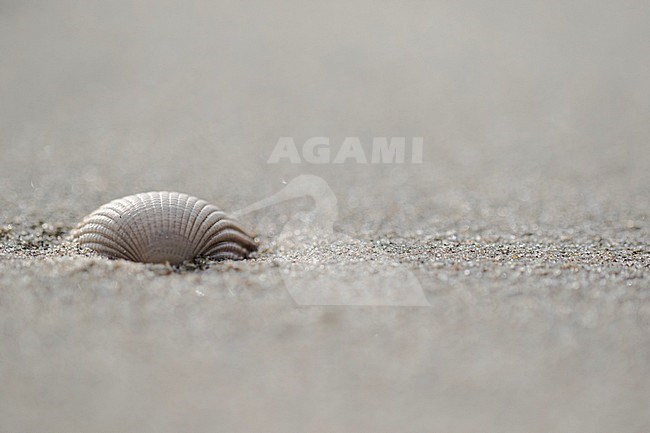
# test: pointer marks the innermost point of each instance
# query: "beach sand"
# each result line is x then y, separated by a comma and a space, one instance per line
523, 235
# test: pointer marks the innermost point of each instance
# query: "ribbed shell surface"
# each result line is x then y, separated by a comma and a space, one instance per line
160, 227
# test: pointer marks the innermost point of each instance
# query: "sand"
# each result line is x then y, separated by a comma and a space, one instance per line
502, 285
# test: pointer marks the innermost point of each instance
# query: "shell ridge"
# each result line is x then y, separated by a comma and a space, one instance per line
156, 221
162, 216
211, 225
102, 250
213, 233
198, 223
173, 223
187, 213
174, 203
118, 227
105, 244
97, 241
163, 198
110, 224
174, 199
232, 247
128, 212
100, 227
230, 234
138, 224
192, 215
184, 220
226, 255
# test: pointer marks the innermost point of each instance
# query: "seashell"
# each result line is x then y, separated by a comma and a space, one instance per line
160, 227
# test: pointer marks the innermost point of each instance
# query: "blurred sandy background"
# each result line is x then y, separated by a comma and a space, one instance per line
526, 225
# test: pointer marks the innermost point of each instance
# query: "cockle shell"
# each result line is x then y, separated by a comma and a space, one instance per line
160, 227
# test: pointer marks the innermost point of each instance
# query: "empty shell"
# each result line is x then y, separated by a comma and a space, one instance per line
160, 227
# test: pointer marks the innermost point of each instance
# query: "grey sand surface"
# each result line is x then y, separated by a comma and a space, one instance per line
526, 226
